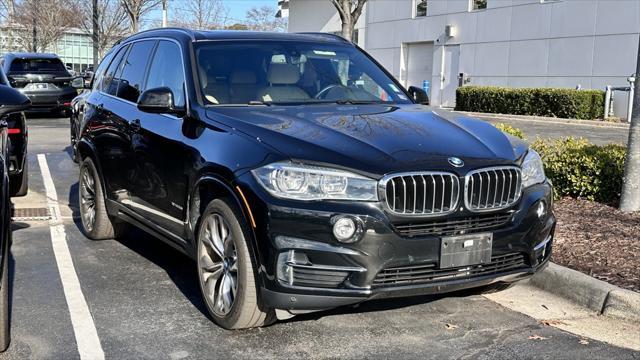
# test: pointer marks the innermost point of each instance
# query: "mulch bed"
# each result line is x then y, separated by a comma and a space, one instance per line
598, 240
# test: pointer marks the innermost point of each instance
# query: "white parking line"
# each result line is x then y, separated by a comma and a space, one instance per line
84, 329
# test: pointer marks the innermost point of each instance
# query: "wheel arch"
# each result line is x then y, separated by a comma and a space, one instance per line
210, 187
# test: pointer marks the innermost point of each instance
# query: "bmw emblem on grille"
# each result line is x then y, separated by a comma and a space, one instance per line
456, 162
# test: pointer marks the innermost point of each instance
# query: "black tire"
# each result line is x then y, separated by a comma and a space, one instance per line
5, 326
19, 184
246, 310
98, 226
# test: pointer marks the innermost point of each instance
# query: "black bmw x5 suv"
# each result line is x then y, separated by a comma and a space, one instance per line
301, 176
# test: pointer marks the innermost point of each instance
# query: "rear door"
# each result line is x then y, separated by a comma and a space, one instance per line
120, 112
160, 190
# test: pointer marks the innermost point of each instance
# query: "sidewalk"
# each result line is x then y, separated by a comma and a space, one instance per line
598, 132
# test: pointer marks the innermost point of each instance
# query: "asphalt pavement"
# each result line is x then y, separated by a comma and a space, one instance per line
144, 301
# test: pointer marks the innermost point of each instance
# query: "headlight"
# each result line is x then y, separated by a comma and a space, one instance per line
532, 169
305, 182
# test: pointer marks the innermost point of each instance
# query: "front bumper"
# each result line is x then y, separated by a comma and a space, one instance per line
302, 266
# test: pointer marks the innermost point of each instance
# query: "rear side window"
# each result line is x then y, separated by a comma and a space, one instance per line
37, 65
134, 70
99, 75
167, 70
109, 83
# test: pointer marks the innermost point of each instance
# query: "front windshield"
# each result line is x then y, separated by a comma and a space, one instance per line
290, 72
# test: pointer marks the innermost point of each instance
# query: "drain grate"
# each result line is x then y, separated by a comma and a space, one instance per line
31, 214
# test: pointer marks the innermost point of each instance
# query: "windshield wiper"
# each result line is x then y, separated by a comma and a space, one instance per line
358, 102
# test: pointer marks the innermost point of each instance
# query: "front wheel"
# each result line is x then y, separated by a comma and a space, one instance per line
226, 272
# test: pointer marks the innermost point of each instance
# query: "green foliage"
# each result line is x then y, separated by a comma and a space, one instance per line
510, 130
561, 103
578, 168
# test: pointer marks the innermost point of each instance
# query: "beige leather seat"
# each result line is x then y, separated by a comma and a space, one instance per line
282, 79
215, 93
244, 86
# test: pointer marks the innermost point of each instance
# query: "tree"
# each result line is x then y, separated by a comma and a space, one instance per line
40, 23
112, 23
264, 19
136, 9
630, 199
201, 14
349, 11
237, 26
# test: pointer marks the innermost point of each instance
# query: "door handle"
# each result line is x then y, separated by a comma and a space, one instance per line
135, 125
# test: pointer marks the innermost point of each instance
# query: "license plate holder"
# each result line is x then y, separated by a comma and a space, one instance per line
465, 250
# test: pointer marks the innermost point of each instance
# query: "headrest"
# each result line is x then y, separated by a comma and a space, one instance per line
243, 77
204, 77
283, 74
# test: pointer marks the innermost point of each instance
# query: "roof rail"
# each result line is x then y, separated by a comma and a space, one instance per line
183, 30
327, 35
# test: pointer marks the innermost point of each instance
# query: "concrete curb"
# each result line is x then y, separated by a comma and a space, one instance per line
543, 119
594, 294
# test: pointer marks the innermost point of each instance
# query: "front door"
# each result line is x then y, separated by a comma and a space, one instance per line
160, 187
450, 79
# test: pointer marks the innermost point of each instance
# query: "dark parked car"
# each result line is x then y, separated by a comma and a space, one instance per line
17, 149
301, 176
43, 78
11, 101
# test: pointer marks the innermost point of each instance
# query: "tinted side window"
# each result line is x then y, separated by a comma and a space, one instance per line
107, 83
167, 70
99, 75
134, 70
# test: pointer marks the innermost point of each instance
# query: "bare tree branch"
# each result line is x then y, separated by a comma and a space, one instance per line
112, 23
264, 19
136, 9
38, 24
200, 14
349, 11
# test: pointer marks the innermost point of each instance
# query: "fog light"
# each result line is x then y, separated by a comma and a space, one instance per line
541, 211
344, 229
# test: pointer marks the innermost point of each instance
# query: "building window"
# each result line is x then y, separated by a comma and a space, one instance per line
477, 5
421, 8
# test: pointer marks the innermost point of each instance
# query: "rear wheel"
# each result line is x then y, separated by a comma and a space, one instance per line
226, 272
19, 184
96, 223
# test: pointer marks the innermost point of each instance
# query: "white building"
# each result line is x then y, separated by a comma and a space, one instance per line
514, 43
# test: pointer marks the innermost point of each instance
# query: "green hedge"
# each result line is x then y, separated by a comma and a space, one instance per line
578, 168
561, 103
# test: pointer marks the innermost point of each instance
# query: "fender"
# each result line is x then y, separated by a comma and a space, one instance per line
255, 254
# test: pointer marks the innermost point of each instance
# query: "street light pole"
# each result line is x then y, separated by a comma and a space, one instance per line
164, 13
95, 35
630, 198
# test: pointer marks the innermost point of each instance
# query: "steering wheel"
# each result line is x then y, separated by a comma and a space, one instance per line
322, 93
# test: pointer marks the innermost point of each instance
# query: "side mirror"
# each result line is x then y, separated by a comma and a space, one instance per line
419, 95
12, 101
77, 83
158, 101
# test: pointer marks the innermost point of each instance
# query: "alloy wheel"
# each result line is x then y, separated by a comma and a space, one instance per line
218, 264
88, 199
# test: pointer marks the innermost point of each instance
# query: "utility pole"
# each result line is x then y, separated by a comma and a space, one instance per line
164, 13
95, 35
630, 199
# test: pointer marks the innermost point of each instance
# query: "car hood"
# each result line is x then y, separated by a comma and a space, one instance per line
374, 139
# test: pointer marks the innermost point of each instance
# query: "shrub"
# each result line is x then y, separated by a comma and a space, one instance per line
578, 168
510, 130
562, 103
